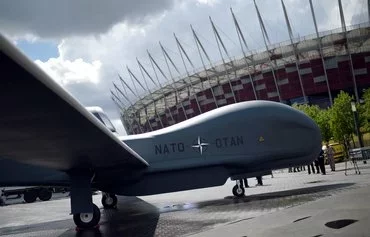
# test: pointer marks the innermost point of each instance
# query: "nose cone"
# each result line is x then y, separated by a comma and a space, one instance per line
307, 137
288, 136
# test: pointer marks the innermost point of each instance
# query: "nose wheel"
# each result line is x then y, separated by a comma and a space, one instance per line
87, 220
109, 201
238, 189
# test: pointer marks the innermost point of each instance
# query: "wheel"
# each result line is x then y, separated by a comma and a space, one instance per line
109, 201
30, 196
87, 220
45, 194
238, 191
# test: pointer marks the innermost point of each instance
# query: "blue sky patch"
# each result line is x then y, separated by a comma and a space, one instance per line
42, 50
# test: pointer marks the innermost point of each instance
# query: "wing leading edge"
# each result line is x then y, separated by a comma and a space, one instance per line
42, 124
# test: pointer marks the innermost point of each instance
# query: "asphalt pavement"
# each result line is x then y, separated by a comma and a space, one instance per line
288, 204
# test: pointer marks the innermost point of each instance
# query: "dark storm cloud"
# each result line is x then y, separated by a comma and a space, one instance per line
53, 19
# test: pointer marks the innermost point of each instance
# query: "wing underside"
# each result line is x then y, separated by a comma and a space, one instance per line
42, 124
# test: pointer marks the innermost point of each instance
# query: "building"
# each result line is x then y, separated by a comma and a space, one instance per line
310, 69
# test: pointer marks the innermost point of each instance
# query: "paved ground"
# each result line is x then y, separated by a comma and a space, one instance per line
269, 210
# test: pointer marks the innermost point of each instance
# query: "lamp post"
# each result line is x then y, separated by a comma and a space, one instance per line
355, 114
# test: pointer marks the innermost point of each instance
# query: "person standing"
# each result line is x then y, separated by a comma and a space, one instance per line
330, 155
321, 162
309, 167
259, 181
317, 165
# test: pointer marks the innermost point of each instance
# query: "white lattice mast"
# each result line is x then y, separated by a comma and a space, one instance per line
178, 72
178, 94
321, 53
344, 28
242, 39
132, 75
294, 50
124, 86
266, 41
123, 95
219, 42
200, 47
149, 91
159, 84
128, 100
164, 75
182, 51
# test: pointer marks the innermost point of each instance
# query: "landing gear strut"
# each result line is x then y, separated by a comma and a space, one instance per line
109, 200
87, 220
85, 213
238, 189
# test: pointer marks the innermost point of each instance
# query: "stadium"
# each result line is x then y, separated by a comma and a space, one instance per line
312, 69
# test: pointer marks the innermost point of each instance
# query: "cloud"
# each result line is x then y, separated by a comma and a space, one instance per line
56, 19
67, 72
88, 63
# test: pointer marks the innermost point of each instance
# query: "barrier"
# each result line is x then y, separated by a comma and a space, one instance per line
358, 154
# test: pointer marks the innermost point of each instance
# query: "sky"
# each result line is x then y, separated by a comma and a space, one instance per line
84, 45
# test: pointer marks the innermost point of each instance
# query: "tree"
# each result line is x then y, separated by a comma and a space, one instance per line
364, 112
341, 119
323, 121
321, 117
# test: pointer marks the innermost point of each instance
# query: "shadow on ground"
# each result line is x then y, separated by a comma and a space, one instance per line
135, 217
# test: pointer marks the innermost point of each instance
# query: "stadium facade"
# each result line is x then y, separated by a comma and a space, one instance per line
310, 69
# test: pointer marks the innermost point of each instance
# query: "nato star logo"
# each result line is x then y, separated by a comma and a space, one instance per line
199, 145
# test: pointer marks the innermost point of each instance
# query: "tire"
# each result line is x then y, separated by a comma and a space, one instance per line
238, 191
45, 194
30, 196
109, 201
87, 220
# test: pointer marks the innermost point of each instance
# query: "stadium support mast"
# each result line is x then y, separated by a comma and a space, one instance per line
159, 83
132, 91
267, 40
147, 90
150, 77
181, 50
200, 46
294, 50
344, 28
219, 41
116, 87
177, 70
368, 10
150, 93
321, 53
177, 94
123, 120
241, 38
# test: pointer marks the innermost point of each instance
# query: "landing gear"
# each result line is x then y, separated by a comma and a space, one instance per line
238, 189
45, 194
30, 196
86, 214
109, 200
87, 220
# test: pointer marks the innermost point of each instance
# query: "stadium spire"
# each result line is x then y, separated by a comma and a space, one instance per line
181, 51
321, 52
200, 46
177, 94
267, 40
219, 41
242, 39
344, 28
294, 50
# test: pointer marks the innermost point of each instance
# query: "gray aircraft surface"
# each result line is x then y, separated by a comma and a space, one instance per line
48, 138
